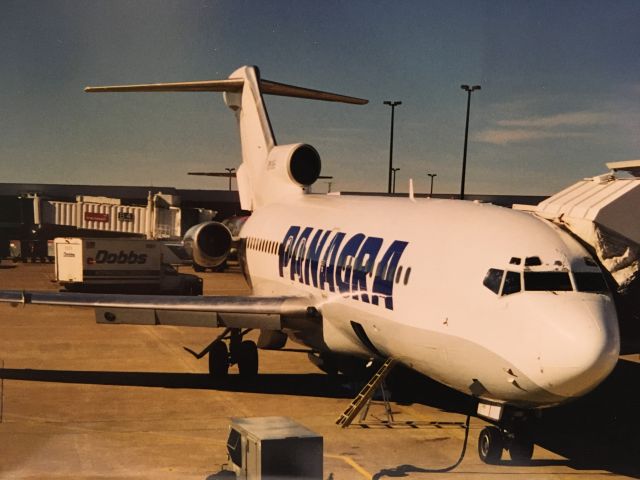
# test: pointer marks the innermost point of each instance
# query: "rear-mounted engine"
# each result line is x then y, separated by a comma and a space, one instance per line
298, 162
208, 244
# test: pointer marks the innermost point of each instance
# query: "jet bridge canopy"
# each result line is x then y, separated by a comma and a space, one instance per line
602, 211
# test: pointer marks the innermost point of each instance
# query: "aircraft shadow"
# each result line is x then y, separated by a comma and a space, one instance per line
596, 432
599, 430
312, 384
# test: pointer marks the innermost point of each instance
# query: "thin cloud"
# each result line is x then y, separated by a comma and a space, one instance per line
574, 119
537, 128
506, 136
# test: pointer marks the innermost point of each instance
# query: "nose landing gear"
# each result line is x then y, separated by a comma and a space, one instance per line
490, 445
511, 434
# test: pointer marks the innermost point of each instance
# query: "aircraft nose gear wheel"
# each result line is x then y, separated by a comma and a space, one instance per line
521, 450
490, 445
248, 359
218, 359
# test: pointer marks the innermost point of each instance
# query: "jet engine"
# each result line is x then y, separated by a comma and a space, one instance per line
299, 163
208, 244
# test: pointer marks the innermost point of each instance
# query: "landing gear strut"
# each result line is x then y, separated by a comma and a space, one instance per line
243, 353
512, 435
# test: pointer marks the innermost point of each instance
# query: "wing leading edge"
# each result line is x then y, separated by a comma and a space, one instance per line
207, 311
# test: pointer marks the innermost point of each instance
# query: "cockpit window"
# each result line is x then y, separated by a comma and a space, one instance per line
493, 279
511, 283
547, 281
590, 282
532, 261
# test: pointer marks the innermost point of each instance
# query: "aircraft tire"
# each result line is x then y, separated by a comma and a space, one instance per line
521, 450
218, 360
490, 445
198, 268
248, 359
220, 268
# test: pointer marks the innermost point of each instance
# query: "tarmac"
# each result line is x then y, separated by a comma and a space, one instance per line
85, 401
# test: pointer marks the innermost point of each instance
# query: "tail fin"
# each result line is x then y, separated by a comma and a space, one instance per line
257, 182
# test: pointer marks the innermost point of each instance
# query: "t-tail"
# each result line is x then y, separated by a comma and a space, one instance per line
269, 172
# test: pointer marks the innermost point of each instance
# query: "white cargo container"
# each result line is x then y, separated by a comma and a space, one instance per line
128, 265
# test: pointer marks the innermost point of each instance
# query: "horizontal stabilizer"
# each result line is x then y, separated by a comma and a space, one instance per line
232, 85
273, 88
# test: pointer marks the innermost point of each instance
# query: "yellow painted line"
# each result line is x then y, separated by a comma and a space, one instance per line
353, 464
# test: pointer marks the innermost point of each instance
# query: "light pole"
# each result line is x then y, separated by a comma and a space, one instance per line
432, 175
394, 170
468, 89
393, 106
230, 171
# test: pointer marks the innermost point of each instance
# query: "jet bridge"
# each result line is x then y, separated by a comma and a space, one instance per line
603, 212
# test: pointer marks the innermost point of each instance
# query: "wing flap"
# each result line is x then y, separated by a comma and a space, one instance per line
211, 311
131, 316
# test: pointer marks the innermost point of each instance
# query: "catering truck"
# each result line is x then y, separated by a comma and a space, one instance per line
120, 265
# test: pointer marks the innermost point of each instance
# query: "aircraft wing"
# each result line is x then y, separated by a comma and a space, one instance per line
261, 312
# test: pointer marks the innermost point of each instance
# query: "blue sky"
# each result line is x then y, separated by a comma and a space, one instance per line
560, 89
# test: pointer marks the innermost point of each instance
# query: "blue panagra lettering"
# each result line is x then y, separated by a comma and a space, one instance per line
343, 273
383, 281
333, 261
313, 257
364, 266
329, 262
286, 249
299, 251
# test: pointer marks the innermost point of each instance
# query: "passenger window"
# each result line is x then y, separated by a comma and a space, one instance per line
511, 283
493, 279
407, 274
398, 274
547, 281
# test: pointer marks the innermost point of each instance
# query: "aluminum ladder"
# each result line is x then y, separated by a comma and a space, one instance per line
364, 397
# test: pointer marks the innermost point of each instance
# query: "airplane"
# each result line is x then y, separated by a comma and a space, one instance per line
502, 306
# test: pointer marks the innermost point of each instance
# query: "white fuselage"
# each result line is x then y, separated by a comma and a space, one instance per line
403, 278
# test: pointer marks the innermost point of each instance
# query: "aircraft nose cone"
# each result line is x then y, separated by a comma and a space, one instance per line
582, 348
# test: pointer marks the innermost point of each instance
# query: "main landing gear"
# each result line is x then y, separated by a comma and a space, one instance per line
512, 435
243, 353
